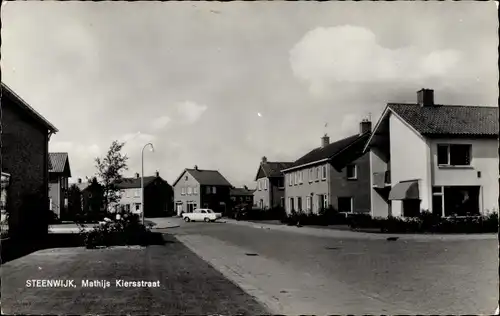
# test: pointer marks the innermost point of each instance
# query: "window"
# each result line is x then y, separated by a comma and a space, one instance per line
437, 201
203, 211
299, 204
301, 173
454, 154
137, 206
127, 208
265, 184
183, 191
137, 192
127, 193
290, 204
311, 175
208, 190
296, 177
214, 190
186, 178
259, 184
195, 190
308, 203
345, 204
317, 174
325, 201
189, 190
351, 172
282, 202
281, 183
323, 176
50, 204
290, 179
249, 198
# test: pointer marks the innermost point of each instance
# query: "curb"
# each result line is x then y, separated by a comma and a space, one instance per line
165, 227
321, 232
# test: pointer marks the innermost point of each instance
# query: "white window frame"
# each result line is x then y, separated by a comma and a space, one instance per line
311, 175
301, 175
195, 190
214, 190
183, 191
296, 177
308, 203
441, 194
259, 184
189, 190
290, 179
265, 184
355, 172
325, 201
448, 149
323, 172
317, 173
208, 190
299, 205
352, 203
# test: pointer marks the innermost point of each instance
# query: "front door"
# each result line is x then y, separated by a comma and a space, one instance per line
178, 209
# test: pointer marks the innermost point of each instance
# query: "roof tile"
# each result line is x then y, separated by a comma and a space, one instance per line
458, 120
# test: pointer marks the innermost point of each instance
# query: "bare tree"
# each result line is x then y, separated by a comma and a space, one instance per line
109, 173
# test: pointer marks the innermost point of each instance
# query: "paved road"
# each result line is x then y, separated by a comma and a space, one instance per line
298, 273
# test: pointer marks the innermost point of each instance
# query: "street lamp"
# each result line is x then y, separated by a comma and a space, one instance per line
142, 178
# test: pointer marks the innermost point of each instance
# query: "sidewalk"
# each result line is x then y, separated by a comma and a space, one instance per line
331, 232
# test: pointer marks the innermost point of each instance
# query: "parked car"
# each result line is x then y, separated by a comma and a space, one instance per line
201, 214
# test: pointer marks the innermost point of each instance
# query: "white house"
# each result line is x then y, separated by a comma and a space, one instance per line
440, 158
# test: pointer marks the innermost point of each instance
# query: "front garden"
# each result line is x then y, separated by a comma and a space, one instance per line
426, 222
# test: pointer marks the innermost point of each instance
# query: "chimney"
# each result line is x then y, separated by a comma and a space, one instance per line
325, 140
425, 97
79, 180
195, 167
157, 173
264, 159
137, 175
245, 187
365, 126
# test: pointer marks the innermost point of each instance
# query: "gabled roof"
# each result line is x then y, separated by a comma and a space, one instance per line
205, 177
59, 163
135, 183
241, 191
82, 186
449, 120
338, 153
272, 169
445, 120
24, 106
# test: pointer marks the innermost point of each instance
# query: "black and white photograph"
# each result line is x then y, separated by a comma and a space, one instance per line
249, 158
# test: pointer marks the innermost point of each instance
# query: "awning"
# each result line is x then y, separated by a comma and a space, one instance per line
407, 190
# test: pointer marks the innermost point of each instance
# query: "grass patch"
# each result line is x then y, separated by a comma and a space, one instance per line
188, 285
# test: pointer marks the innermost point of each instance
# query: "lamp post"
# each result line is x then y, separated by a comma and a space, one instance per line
142, 178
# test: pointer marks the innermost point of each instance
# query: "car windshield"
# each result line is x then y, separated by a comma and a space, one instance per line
210, 211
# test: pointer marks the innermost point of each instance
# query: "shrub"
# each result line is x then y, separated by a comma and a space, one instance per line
362, 221
124, 231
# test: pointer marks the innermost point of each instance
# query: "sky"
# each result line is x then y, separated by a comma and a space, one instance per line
219, 85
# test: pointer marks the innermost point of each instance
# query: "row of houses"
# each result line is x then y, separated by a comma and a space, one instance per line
418, 156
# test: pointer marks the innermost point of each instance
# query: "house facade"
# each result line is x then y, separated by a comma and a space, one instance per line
241, 197
438, 158
25, 162
270, 184
335, 174
158, 196
91, 194
197, 188
59, 174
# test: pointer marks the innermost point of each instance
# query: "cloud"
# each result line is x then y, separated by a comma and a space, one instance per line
160, 122
191, 111
325, 56
81, 156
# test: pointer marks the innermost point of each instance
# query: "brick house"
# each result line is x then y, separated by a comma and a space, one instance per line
241, 197
335, 174
158, 196
197, 188
59, 174
270, 191
440, 158
25, 160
